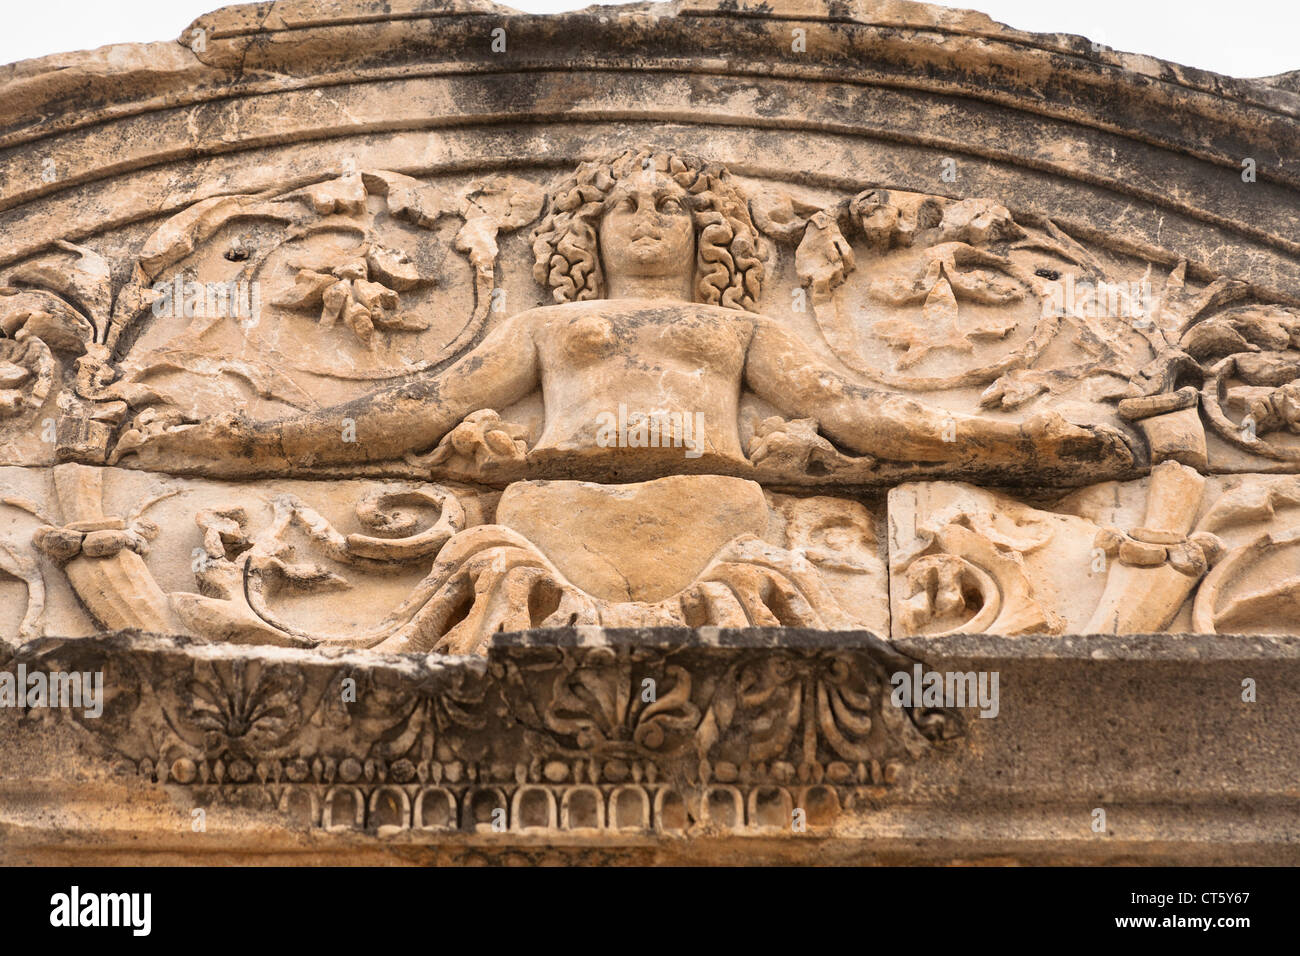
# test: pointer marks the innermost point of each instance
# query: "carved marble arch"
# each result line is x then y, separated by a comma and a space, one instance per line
587, 433
380, 402
1021, 349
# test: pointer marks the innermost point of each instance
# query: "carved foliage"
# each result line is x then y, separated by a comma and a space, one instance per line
700, 721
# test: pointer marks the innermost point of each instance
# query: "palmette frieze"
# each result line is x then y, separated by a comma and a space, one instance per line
632, 732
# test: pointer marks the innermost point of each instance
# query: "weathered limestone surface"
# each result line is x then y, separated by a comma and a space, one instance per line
459, 435
552, 728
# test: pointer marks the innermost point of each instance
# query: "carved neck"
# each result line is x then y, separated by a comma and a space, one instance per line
674, 287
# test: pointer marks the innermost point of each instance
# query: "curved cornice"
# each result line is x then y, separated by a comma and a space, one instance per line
249, 45
1167, 137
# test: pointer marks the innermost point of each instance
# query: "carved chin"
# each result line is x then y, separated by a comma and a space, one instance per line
647, 252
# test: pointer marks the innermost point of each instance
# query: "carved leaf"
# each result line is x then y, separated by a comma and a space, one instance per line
345, 195
45, 316
264, 378
86, 282
409, 199
311, 578
508, 201
392, 267
978, 221
307, 292
1014, 389
824, 258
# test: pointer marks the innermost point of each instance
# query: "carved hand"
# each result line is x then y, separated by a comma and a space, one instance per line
228, 444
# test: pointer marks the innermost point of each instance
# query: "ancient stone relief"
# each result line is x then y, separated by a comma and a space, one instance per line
563, 737
438, 434
1177, 551
402, 414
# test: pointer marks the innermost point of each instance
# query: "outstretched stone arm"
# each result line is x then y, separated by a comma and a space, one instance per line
412, 417
380, 426
784, 371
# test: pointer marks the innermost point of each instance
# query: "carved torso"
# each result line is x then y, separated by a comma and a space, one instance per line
653, 358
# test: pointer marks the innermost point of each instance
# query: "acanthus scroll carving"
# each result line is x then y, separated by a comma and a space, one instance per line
638, 352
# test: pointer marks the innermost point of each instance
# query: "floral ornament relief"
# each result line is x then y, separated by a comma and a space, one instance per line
51, 313
242, 570
243, 708
347, 293
601, 707
243, 729
805, 710
360, 289
975, 254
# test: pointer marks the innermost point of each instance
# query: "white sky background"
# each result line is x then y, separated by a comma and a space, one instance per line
1245, 38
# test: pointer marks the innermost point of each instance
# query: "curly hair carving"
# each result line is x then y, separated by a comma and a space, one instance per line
728, 269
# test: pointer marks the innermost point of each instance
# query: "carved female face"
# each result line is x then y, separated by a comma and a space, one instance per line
647, 230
